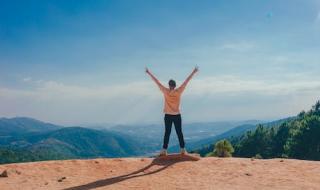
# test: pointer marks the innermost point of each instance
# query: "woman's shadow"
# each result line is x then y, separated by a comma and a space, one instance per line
165, 162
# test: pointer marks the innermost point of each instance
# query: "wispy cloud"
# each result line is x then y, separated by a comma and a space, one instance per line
235, 85
133, 102
238, 46
219, 84
27, 79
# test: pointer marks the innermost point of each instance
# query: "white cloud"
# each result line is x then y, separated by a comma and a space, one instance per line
218, 84
58, 102
142, 101
237, 85
238, 46
27, 79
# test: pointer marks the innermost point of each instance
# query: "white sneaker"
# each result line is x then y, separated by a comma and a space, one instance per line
163, 152
183, 151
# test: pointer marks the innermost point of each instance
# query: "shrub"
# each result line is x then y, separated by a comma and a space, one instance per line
222, 148
258, 156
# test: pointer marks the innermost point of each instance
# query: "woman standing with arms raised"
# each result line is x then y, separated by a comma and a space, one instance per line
172, 96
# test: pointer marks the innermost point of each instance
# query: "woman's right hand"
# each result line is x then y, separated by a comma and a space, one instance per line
196, 69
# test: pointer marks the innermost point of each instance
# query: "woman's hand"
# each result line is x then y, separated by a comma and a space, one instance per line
196, 69
147, 70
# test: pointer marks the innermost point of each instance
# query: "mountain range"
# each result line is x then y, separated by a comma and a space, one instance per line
27, 139
35, 140
22, 125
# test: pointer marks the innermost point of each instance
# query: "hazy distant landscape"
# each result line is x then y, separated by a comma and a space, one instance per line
23, 137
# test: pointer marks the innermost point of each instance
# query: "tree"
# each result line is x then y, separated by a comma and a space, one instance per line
280, 141
222, 148
256, 142
302, 114
316, 108
306, 142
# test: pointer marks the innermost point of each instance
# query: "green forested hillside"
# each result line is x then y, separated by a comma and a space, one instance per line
295, 138
66, 143
299, 138
205, 146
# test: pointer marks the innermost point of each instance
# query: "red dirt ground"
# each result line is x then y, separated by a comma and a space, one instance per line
149, 173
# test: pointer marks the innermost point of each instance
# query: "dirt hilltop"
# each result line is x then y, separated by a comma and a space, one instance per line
149, 173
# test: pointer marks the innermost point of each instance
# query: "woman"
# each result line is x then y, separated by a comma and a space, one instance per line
172, 96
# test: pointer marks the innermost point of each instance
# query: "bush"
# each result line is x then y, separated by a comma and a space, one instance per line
258, 156
222, 148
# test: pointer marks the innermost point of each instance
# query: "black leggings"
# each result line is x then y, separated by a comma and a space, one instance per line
168, 120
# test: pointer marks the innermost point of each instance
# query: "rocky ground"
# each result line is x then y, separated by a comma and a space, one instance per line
173, 173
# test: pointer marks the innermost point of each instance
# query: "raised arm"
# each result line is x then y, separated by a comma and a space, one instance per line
184, 84
155, 79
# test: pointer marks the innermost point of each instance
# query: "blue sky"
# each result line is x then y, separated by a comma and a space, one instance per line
74, 62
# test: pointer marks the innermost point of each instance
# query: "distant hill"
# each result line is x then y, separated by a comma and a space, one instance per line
208, 141
27, 139
22, 125
30, 140
193, 132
